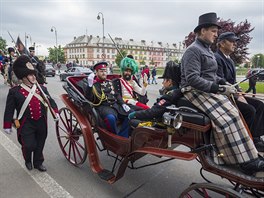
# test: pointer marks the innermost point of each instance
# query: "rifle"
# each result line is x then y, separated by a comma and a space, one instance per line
48, 102
117, 48
14, 43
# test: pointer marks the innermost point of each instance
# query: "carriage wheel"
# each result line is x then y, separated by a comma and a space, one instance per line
209, 190
70, 137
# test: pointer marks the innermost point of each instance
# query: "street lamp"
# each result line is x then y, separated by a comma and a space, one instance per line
55, 30
98, 18
26, 37
258, 56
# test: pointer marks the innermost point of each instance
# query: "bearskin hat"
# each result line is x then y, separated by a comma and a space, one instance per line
172, 71
22, 67
129, 63
10, 49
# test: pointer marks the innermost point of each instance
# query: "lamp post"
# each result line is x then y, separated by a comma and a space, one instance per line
258, 56
98, 18
37, 46
55, 30
26, 37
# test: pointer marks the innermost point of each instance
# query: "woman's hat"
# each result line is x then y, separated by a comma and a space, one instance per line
207, 20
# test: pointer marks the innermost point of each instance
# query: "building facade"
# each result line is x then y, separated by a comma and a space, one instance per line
88, 50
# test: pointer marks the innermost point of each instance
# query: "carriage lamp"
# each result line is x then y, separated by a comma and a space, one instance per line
173, 120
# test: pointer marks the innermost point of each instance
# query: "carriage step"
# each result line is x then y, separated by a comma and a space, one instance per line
106, 174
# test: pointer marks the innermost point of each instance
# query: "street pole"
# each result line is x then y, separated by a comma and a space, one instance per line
55, 30
258, 56
98, 18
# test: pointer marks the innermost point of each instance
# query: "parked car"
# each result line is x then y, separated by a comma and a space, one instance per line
260, 75
75, 71
50, 71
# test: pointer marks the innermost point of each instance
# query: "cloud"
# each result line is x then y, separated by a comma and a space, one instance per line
166, 21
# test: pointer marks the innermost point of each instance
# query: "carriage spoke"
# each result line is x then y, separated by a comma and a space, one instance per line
65, 131
66, 144
73, 150
81, 146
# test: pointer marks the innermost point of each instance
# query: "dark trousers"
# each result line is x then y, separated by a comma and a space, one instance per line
32, 136
253, 113
252, 87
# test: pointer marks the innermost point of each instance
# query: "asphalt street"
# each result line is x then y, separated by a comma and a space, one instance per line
65, 180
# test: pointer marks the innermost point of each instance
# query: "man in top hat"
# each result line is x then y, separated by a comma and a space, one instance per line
251, 108
109, 103
128, 87
31, 121
171, 93
208, 92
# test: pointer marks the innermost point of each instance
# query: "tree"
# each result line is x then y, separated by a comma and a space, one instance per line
242, 31
258, 61
53, 55
119, 57
3, 44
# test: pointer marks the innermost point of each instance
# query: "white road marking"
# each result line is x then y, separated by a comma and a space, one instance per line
43, 179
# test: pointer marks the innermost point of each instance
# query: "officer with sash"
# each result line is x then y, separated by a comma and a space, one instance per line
109, 103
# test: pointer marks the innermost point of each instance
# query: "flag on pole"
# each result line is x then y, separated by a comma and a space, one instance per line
21, 47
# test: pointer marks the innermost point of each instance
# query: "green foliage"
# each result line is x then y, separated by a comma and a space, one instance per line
259, 87
119, 57
53, 55
3, 44
258, 61
142, 62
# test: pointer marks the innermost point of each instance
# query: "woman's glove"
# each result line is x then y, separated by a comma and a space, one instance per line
126, 107
226, 90
90, 79
8, 131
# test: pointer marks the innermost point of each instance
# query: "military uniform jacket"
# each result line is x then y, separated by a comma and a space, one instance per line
35, 109
102, 95
159, 108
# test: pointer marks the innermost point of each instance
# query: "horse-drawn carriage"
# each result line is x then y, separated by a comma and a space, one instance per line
80, 132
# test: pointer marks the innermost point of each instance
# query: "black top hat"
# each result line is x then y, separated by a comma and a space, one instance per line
207, 20
31, 48
228, 36
22, 67
100, 65
130, 56
172, 71
10, 49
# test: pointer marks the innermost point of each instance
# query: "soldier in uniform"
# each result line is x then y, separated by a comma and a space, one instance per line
171, 79
129, 89
31, 122
11, 59
109, 103
39, 66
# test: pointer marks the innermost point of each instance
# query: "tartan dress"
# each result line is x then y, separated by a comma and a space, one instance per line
230, 135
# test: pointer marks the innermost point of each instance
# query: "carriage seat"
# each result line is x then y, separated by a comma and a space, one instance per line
191, 113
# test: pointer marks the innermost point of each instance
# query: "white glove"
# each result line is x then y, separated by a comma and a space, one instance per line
145, 79
90, 79
227, 90
126, 107
57, 117
8, 131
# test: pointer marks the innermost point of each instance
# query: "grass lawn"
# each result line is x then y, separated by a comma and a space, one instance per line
259, 87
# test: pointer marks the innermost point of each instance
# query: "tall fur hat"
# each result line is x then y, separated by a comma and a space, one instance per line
172, 71
129, 63
10, 49
22, 67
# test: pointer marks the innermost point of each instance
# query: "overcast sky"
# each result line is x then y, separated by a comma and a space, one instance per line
150, 20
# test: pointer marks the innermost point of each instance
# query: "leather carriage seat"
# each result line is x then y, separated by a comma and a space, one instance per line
191, 113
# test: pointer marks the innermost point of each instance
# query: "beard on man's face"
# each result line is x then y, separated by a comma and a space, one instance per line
127, 77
